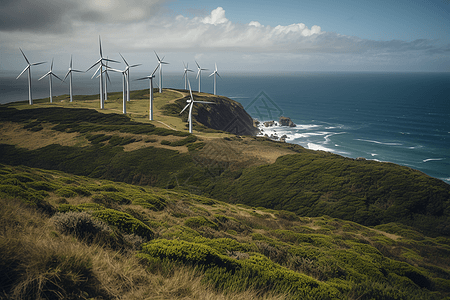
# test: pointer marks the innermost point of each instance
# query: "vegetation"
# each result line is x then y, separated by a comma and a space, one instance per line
204, 248
209, 216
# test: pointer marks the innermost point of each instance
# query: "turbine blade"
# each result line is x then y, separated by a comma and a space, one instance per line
96, 71
198, 73
96, 63
157, 57
37, 64
218, 74
190, 90
24, 56
100, 43
111, 60
51, 66
124, 59
70, 66
56, 76
137, 65
67, 74
44, 76
23, 71
187, 105
154, 71
197, 64
205, 102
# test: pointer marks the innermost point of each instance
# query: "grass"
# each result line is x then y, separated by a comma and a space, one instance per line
201, 247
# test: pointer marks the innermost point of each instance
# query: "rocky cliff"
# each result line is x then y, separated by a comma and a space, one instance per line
226, 114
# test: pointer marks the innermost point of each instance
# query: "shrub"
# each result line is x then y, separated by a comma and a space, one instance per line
66, 192
196, 222
80, 224
124, 222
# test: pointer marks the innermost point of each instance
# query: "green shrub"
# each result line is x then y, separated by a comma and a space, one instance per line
66, 192
196, 222
165, 142
124, 222
111, 197
152, 202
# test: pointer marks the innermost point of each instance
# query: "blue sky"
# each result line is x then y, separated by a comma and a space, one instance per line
240, 36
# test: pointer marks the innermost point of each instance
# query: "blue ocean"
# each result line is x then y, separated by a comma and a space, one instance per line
402, 118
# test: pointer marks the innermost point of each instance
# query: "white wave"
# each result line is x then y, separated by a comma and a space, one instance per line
431, 159
381, 143
373, 154
316, 147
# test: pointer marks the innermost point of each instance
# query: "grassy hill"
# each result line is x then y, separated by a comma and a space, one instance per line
209, 215
72, 237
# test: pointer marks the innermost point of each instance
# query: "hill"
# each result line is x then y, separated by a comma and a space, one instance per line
244, 216
69, 237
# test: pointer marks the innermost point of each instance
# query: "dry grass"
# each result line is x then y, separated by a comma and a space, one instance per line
43, 264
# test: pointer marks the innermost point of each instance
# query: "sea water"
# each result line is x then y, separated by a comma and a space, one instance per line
402, 118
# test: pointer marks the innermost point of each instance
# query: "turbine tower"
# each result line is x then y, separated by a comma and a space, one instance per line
69, 73
28, 68
127, 73
100, 68
199, 74
160, 63
50, 74
150, 77
185, 74
215, 73
190, 104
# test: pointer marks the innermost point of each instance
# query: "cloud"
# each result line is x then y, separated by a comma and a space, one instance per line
217, 17
56, 16
132, 27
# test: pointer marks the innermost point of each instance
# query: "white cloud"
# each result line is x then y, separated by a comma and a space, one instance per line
133, 26
217, 17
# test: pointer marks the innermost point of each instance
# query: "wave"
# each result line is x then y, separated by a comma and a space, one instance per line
380, 143
432, 159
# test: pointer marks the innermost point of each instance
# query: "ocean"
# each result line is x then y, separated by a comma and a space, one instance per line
402, 118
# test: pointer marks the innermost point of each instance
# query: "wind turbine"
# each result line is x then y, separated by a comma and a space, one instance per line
124, 82
199, 74
127, 73
70, 78
190, 104
185, 74
150, 112
50, 74
100, 68
160, 63
28, 67
215, 73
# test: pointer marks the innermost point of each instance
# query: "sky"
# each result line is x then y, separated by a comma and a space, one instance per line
240, 36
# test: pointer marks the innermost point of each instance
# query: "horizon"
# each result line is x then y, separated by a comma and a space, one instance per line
240, 36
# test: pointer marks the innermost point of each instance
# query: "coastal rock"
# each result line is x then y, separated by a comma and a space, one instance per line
286, 121
283, 138
227, 115
269, 123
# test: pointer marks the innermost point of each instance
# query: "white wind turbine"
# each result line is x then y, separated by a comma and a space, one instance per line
124, 89
150, 77
185, 74
69, 73
127, 73
28, 68
50, 74
215, 73
199, 74
100, 68
160, 63
190, 104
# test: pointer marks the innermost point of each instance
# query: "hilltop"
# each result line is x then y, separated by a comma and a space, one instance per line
229, 207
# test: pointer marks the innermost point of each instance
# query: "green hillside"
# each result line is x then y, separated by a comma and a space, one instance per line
71, 237
100, 205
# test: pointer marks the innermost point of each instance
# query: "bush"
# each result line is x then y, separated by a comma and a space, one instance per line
80, 224
124, 222
196, 222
